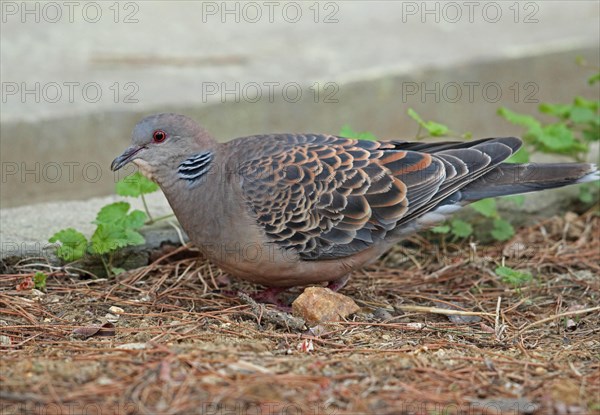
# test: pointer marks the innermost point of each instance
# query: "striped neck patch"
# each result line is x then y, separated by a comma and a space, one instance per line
195, 167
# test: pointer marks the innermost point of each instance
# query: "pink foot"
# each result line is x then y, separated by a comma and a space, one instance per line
271, 296
338, 284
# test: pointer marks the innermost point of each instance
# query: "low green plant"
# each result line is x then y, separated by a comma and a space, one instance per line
512, 277
575, 126
39, 281
434, 129
136, 185
116, 227
347, 132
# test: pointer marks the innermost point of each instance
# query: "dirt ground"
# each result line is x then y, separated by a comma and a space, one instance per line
182, 345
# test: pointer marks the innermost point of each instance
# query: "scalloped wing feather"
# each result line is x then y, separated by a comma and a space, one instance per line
328, 197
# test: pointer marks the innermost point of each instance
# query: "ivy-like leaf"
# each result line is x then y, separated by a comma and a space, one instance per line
461, 228
519, 119
39, 280
112, 213
558, 110
557, 137
348, 132
73, 244
513, 277
502, 230
109, 237
441, 229
594, 78
584, 115
587, 103
435, 129
487, 207
116, 213
135, 185
518, 200
135, 219
413, 114
591, 134
585, 193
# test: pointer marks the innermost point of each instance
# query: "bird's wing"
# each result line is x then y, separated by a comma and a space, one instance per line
329, 197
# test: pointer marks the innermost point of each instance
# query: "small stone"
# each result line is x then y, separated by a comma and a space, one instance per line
104, 381
455, 318
571, 325
5, 340
112, 318
571, 217
319, 304
37, 293
514, 250
133, 346
116, 310
381, 314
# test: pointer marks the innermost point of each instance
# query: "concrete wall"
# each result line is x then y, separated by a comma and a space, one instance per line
373, 63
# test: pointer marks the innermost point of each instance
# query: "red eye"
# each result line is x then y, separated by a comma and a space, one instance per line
159, 136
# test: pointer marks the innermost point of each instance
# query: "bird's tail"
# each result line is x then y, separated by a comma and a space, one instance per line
511, 179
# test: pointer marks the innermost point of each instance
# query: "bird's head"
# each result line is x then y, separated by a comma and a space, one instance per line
165, 141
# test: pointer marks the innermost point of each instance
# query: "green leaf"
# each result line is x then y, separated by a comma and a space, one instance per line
135, 219
135, 185
461, 228
436, 129
348, 132
594, 78
521, 156
502, 230
557, 137
587, 103
116, 213
533, 126
433, 128
558, 110
413, 114
73, 244
39, 280
585, 194
518, 200
106, 238
487, 207
440, 229
513, 277
584, 115
591, 134
112, 213
519, 119
133, 237
117, 270
109, 237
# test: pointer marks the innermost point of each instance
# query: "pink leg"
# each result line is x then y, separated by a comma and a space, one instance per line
338, 284
271, 296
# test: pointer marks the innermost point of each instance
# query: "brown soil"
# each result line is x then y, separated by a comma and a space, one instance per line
183, 346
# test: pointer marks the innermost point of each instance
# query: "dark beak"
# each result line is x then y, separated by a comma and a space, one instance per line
127, 156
